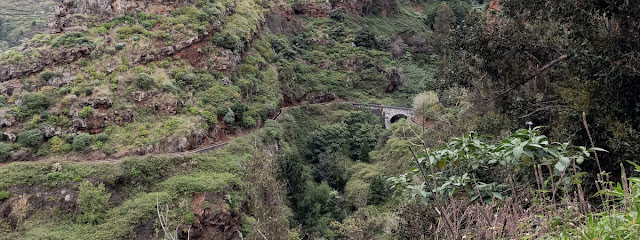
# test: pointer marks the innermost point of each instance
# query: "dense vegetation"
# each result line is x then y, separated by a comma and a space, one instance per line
20, 20
525, 126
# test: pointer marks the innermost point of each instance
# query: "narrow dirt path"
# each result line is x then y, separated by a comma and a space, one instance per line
214, 146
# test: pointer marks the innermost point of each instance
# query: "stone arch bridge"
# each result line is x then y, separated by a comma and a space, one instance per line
388, 113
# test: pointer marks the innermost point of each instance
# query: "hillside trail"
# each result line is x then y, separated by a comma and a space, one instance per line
212, 147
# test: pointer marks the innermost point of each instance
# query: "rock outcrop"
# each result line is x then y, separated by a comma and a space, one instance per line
49, 57
74, 15
313, 8
96, 123
364, 7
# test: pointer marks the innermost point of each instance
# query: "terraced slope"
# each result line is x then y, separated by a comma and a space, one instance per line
22, 19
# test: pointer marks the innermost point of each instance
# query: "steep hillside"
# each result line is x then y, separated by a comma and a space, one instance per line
235, 119
22, 19
177, 76
118, 78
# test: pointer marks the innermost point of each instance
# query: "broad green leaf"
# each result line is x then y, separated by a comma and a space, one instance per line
559, 168
497, 195
517, 152
441, 163
597, 149
635, 165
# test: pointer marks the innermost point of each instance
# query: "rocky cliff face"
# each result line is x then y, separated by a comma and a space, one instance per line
313, 8
364, 7
74, 15
49, 57
355, 7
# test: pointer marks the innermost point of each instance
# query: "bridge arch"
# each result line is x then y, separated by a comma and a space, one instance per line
397, 117
388, 113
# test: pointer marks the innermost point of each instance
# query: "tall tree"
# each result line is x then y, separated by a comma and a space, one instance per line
442, 26
549, 61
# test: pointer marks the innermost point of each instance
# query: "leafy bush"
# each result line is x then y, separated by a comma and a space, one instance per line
227, 41
248, 121
93, 202
189, 218
4, 195
64, 90
86, 111
127, 32
119, 46
378, 190
199, 182
211, 118
365, 39
6, 151
337, 14
357, 193
81, 142
462, 161
272, 130
67, 148
56, 144
82, 88
71, 40
31, 138
102, 137
229, 117
148, 24
33, 103
46, 76
318, 201
144, 81
618, 219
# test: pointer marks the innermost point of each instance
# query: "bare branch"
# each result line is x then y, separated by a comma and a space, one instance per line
538, 72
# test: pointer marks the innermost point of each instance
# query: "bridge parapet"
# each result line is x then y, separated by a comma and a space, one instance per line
388, 112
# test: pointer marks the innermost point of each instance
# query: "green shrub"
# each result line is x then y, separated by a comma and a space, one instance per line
6, 151
144, 81
248, 120
148, 24
126, 32
46, 76
82, 88
378, 190
64, 90
458, 160
211, 118
119, 46
227, 41
33, 103
93, 202
365, 39
56, 144
86, 111
81, 142
102, 137
272, 130
198, 182
189, 218
71, 40
31, 138
3, 100
4, 195
54, 176
102, 30
194, 110
66, 148
337, 14
229, 117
